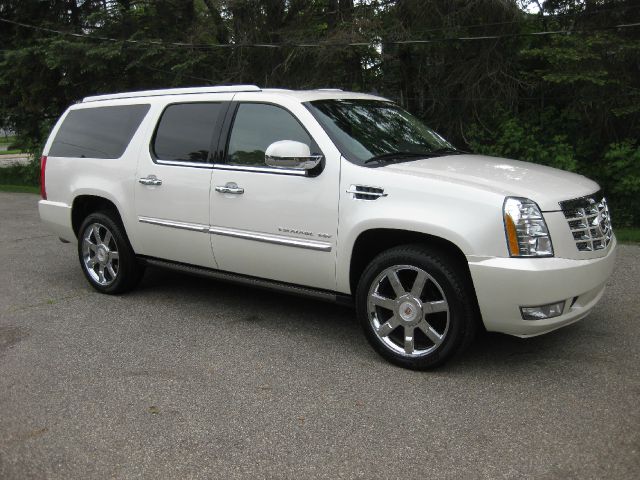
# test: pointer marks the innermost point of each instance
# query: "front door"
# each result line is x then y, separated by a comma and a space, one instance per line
173, 182
267, 222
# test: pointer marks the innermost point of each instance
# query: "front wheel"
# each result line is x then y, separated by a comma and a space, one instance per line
107, 259
416, 308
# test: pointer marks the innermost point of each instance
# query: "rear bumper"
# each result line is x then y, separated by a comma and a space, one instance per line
503, 285
57, 218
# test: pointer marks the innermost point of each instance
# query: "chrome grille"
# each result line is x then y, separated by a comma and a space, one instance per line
589, 221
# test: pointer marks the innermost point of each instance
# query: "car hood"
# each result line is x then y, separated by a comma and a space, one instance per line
545, 185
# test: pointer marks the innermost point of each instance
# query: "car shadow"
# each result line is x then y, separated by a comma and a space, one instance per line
315, 319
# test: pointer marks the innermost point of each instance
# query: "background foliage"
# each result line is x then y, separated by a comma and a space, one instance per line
566, 100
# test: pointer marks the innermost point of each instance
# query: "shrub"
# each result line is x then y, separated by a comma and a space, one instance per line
28, 174
518, 139
620, 177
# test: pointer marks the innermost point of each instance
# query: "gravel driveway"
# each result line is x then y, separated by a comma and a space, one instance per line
188, 378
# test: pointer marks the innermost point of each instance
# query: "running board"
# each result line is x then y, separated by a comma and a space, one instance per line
262, 283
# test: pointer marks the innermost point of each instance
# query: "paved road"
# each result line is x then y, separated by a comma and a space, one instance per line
186, 378
14, 159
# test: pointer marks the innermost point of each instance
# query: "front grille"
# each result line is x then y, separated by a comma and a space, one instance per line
589, 221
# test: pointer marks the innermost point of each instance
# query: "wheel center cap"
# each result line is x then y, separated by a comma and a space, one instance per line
408, 311
102, 254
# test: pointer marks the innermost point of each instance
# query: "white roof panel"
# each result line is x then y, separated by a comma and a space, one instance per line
300, 95
174, 91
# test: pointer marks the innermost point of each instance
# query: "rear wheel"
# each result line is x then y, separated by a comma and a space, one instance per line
107, 259
416, 309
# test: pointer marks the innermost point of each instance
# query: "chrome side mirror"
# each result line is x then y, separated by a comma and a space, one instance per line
291, 154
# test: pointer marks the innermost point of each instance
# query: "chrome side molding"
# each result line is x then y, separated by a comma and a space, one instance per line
194, 227
247, 168
244, 234
275, 239
176, 163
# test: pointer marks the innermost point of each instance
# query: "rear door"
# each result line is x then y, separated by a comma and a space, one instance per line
173, 182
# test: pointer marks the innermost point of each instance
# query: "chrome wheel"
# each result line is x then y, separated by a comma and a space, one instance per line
100, 254
408, 310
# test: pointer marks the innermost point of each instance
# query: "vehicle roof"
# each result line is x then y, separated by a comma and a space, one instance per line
300, 95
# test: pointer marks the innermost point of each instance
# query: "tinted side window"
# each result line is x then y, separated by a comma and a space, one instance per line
185, 132
256, 126
102, 132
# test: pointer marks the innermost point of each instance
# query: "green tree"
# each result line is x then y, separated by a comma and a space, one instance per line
569, 100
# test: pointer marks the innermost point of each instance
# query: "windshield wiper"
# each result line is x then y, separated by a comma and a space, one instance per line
400, 154
448, 151
395, 155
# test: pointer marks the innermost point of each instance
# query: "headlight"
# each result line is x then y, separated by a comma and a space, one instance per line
526, 230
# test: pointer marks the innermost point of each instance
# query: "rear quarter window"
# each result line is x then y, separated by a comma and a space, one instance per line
101, 132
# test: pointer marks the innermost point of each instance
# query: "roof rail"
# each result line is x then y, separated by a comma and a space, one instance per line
175, 91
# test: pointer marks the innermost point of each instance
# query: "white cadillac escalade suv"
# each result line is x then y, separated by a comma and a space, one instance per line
335, 195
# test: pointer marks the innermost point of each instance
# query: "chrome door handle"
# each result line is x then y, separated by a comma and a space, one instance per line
150, 180
230, 187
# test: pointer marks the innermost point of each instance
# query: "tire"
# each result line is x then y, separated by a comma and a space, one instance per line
417, 308
106, 257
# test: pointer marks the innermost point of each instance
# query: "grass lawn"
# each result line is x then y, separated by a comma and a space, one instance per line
8, 141
11, 152
627, 235
19, 188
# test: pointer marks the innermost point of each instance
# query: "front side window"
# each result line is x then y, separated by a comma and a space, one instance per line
256, 126
101, 132
185, 132
371, 131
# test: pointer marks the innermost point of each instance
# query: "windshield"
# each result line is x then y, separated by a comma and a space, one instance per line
375, 132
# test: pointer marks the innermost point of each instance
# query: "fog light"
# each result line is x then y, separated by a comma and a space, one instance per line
543, 311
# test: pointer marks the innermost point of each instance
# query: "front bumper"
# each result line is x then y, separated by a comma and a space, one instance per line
503, 285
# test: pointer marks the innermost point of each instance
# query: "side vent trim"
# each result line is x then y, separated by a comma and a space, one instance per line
366, 192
